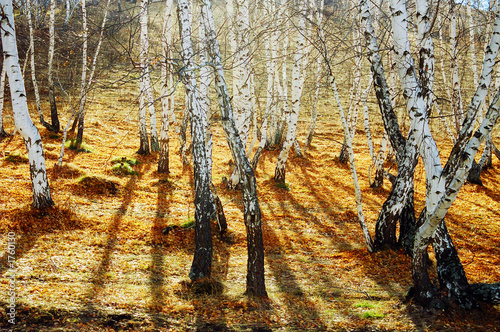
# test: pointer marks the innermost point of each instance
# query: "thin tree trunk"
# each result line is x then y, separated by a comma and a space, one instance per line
145, 76
52, 99
167, 97
314, 110
23, 123
242, 96
456, 97
3, 77
32, 66
83, 83
86, 85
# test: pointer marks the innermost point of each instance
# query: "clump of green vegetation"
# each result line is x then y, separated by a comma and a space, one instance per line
123, 166
365, 304
128, 160
71, 144
188, 224
283, 185
372, 314
96, 185
16, 158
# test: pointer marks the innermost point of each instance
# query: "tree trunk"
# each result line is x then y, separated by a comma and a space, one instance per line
318, 8
52, 99
297, 86
23, 123
202, 261
252, 215
145, 77
83, 93
166, 96
3, 75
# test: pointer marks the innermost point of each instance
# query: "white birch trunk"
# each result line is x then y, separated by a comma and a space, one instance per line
32, 61
204, 204
297, 87
87, 82
314, 110
3, 75
252, 214
352, 166
23, 123
52, 37
83, 81
167, 97
242, 96
68, 11
456, 96
145, 76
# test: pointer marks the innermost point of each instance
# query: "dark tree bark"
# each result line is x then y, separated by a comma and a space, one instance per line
252, 215
204, 204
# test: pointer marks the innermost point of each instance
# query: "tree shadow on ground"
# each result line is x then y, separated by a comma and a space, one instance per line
98, 279
29, 224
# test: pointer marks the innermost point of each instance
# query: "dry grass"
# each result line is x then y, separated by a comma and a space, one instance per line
99, 261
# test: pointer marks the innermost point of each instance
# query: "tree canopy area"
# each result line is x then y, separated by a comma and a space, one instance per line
237, 165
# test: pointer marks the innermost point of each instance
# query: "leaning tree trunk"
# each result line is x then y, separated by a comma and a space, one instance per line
255, 246
202, 261
406, 151
23, 123
3, 75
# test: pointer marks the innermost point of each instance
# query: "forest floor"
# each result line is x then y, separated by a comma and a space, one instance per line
98, 260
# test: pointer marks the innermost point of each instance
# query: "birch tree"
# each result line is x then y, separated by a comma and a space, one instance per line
204, 205
86, 83
297, 87
242, 94
145, 92
3, 75
33, 68
167, 99
255, 263
23, 123
442, 184
52, 36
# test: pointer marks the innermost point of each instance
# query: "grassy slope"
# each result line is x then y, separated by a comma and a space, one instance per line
98, 259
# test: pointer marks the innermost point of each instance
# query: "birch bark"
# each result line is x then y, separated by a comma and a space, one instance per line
3, 75
23, 123
297, 87
202, 261
52, 99
87, 83
252, 214
166, 96
145, 75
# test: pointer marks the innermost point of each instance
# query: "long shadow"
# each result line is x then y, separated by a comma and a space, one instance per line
157, 271
29, 224
97, 281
